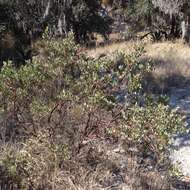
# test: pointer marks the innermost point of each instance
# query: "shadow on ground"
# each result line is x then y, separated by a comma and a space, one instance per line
166, 76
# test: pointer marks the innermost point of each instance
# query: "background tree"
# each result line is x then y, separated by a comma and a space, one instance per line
145, 15
177, 9
139, 13
87, 18
83, 17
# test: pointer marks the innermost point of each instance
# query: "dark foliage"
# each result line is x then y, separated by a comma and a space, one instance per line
82, 17
178, 11
86, 19
15, 41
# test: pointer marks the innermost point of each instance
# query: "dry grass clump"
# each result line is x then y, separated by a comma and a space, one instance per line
33, 164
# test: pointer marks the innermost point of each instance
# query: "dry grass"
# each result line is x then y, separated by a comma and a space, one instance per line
172, 61
173, 57
116, 43
172, 65
111, 48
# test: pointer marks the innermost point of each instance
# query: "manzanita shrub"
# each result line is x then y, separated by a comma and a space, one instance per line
49, 108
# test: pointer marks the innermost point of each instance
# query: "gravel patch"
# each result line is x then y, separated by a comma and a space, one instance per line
180, 154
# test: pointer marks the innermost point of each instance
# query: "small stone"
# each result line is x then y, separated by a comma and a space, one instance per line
124, 187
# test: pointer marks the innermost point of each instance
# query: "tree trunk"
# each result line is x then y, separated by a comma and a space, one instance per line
149, 16
184, 30
46, 13
185, 27
173, 26
188, 29
65, 25
60, 26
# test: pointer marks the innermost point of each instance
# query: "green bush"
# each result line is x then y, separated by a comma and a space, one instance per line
152, 125
49, 108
